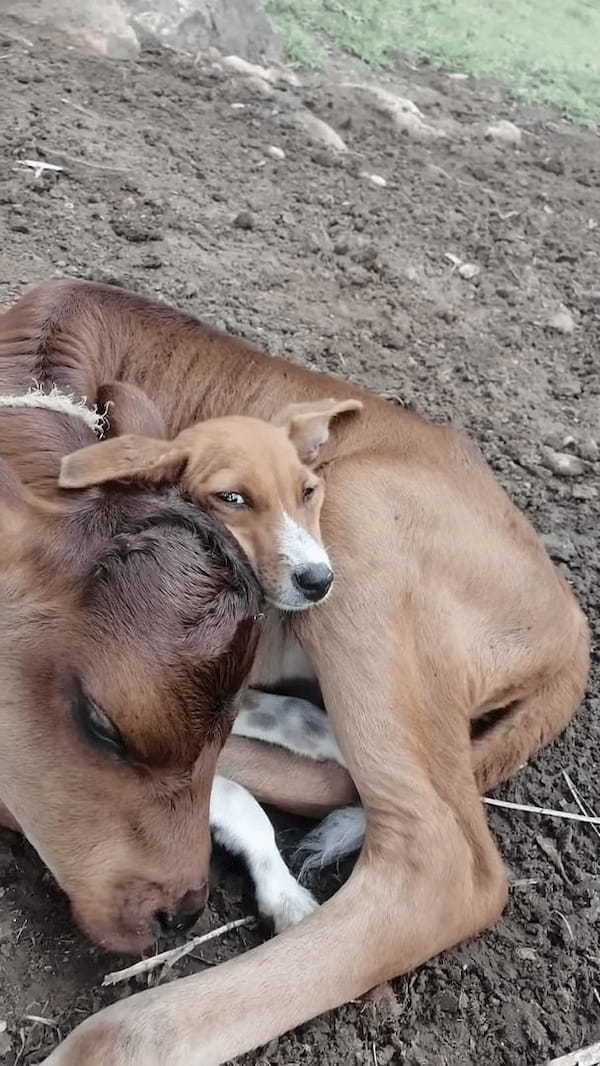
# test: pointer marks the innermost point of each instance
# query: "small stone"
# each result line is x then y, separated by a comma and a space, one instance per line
260, 87
504, 132
588, 449
469, 271
5, 1045
375, 179
584, 492
447, 1001
561, 321
563, 463
318, 131
245, 220
559, 547
275, 152
528, 954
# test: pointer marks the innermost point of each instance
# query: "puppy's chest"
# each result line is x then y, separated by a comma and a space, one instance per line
282, 666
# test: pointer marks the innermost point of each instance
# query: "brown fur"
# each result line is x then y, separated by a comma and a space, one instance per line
445, 609
264, 462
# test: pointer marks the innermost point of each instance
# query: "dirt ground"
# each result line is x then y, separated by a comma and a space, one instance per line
168, 188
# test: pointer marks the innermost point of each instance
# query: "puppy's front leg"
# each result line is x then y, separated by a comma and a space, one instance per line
241, 826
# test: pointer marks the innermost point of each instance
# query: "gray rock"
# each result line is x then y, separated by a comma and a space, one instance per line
102, 29
504, 132
239, 26
245, 220
559, 546
115, 28
563, 463
561, 321
588, 449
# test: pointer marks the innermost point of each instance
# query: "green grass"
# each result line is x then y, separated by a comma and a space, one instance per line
544, 51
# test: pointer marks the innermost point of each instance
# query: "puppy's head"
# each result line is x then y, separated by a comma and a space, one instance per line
259, 477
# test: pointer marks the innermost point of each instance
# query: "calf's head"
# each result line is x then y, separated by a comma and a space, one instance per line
128, 623
257, 476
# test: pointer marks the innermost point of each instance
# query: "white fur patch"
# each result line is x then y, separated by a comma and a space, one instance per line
298, 547
240, 825
63, 403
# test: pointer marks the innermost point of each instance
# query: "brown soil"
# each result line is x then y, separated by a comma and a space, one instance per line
334, 272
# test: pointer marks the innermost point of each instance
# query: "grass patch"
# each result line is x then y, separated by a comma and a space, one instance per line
544, 51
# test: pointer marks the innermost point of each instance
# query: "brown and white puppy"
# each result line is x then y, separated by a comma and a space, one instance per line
257, 476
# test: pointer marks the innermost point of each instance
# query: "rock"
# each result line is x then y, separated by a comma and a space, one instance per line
273, 75
504, 132
375, 179
469, 271
584, 492
318, 131
559, 546
260, 87
588, 449
561, 321
447, 1001
245, 220
275, 152
103, 29
233, 26
5, 1045
563, 463
404, 112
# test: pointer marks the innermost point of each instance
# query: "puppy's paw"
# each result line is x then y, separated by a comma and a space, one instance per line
287, 904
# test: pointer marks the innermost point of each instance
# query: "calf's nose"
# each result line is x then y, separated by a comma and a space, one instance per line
184, 915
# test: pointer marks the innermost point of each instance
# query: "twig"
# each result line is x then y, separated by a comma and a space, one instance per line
169, 958
86, 162
578, 800
542, 810
586, 1056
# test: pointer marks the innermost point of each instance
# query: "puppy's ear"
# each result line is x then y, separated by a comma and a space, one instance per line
307, 424
123, 458
129, 410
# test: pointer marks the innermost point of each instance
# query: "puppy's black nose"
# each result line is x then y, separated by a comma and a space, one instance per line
314, 581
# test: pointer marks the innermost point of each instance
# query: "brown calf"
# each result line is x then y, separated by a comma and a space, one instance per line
445, 607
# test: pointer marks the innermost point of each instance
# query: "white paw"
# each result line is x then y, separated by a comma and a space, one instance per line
287, 905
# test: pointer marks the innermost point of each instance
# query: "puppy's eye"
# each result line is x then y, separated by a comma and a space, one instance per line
308, 492
232, 499
97, 726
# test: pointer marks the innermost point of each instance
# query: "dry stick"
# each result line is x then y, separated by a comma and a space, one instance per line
578, 800
542, 810
169, 958
586, 1056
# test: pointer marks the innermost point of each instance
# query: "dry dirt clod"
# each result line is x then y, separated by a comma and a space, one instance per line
245, 220
5, 1043
588, 449
562, 321
319, 132
404, 112
469, 271
375, 179
504, 132
564, 463
259, 86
